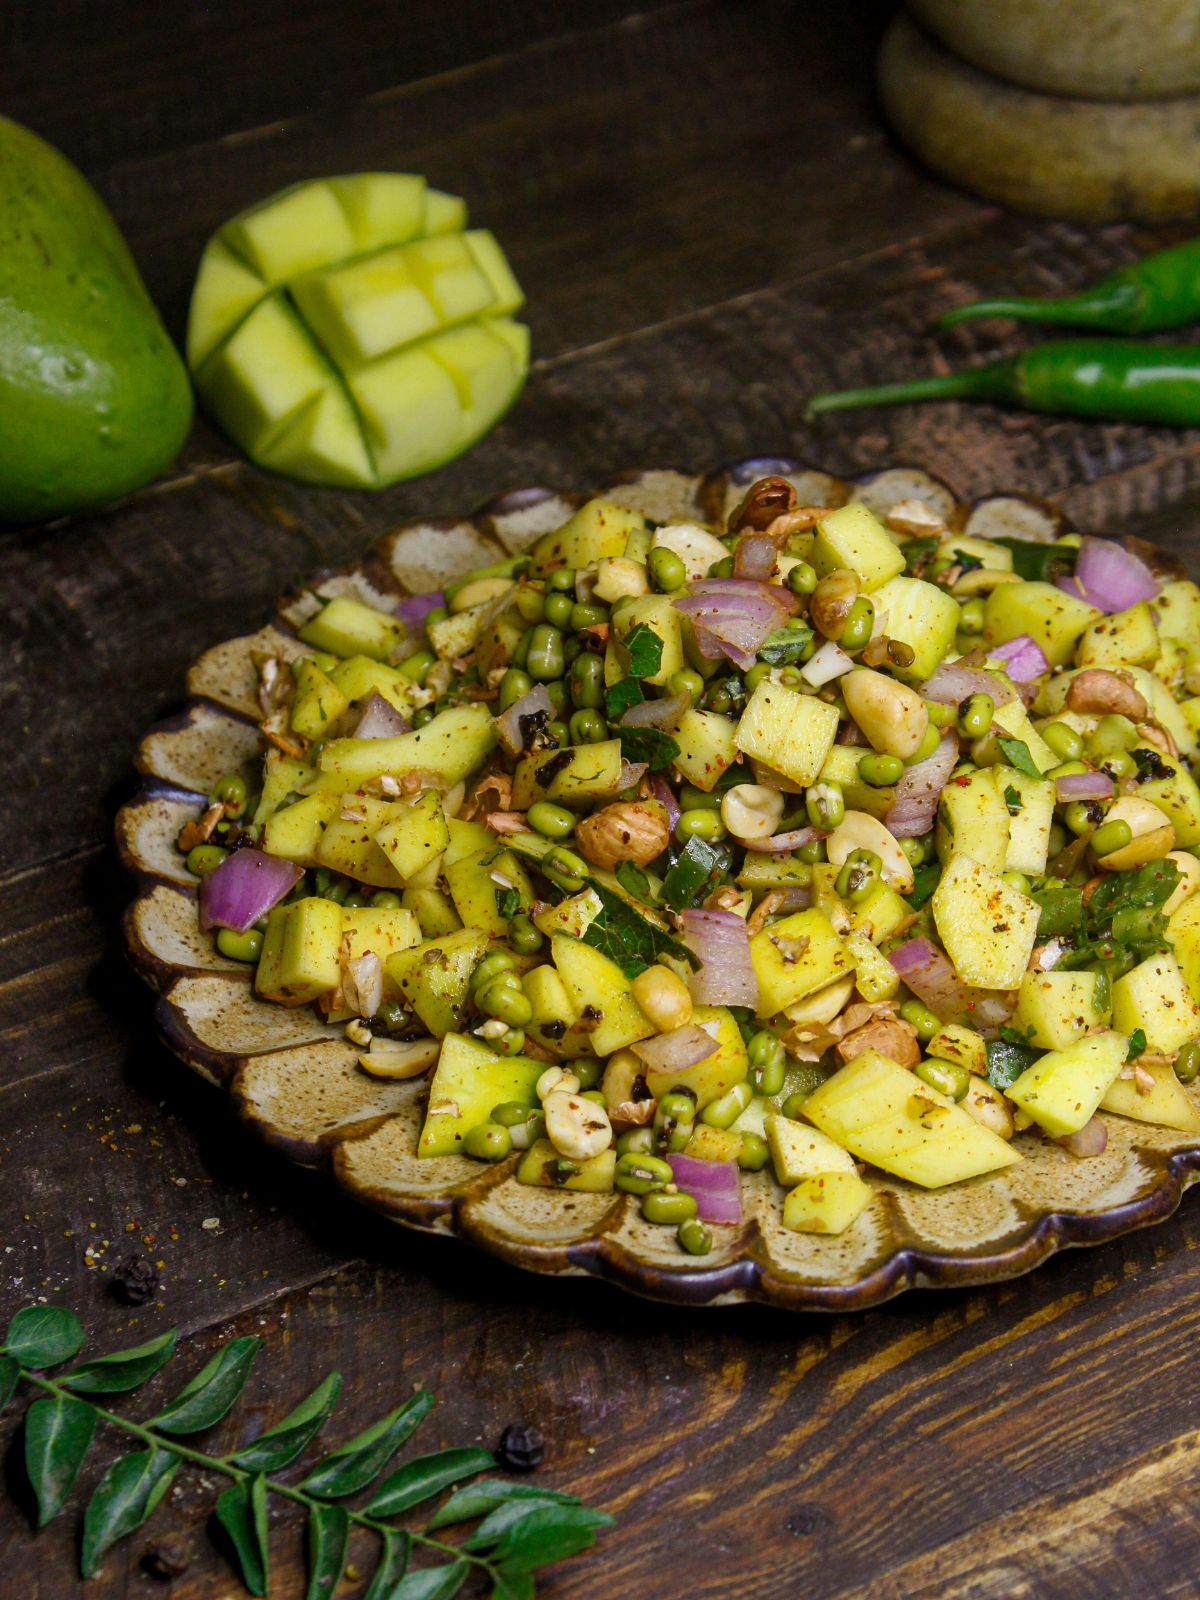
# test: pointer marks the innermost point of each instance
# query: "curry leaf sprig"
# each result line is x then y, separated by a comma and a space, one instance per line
520, 1526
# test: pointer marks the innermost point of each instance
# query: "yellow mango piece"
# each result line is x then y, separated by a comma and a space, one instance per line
987, 927
795, 957
826, 1202
415, 835
304, 959
1166, 1104
1155, 998
708, 1079
294, 832
469, 1081
1062, 1090
789, 732
799, 1150
600, 994
1059, 1007
543, 1168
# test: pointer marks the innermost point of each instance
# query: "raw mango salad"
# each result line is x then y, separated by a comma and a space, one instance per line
810, 842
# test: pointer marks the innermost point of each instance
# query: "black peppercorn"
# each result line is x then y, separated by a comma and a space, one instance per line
136, 1281
521, 1448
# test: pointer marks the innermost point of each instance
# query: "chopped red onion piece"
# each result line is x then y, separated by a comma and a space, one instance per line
919, 790
414, 608
825, 664
1022, 657
1109, 576
754, 557
244, 888
951, 684
714, 649
380, 720
722, 942
928, 973
987, 1009
715, 1186
508, 723
1084, 786
1090, 1140
662, 713
677, 1050
631, 772
781, 843
662, 791
732, 616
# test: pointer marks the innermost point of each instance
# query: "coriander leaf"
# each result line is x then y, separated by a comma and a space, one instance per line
1016, 753
786, 645
58, 1431
645, 649
1007, 1061
42, 1336
650, 745
618, 698
633, 941
1137, 1044
695, 873
1020, 1036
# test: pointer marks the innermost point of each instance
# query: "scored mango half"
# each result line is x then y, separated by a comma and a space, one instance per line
353, 331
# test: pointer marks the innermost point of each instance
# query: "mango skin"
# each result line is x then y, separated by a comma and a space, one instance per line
94, 399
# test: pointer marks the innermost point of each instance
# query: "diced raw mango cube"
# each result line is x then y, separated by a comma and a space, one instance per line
322, 443
265, 372
1056, 1008
973, 820
922, 616
795, 957
378, 930
789, 731
318, 701
446, 270
478, 884
347, 627
883, 1114
600, 994
364, 308
1155, 998
382, 208
826, 1202
295, 831
292, 232
710, 1078
852, 537
1166, 1103
1052, 619
597, 530
798, 1150
1062, 1090
416, 834
707, 746
302, 952
469, 1081
226, 288
434, 977
987, 927
954, 1042
543, 1168
507, 294
410, 409
444, 213
452, 745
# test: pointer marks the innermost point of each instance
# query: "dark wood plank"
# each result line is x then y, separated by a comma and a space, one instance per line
172, 74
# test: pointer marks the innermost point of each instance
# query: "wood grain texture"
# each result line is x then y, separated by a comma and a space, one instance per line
710, 224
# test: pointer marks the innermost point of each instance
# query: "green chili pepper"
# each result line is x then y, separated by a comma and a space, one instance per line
1117, 379
1161, 290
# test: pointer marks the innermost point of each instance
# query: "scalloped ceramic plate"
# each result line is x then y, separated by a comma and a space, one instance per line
296, 1080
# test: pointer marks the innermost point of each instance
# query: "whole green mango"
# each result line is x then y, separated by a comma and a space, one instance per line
94, 399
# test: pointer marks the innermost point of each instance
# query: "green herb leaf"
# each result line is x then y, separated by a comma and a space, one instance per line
209, 1395
1007, 1061
124, 1369
549, 1533
352, 1466
508, 903
650, 745
1020, 1036
926, 878
425, 1476
1137, 1044
328, 1535
1012, 800
918, 555
393, 1564
786, 645
1040, 563
242, 1511
1016, 753
1061, 912
645, 650
10, 1376
513, 1585
477, 1499
627, 937
694, 874
125, 1496
618, 697
58, 1432
433, 1583
1148, 888
42, 1336
634, 881
497, 1523
284, 1442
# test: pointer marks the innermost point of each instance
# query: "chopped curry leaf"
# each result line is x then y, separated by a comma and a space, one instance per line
618, 697
645, 650
626, 937
1137, 1044
694, 875
1016, 753
786, 645
1006, 1061
651, 745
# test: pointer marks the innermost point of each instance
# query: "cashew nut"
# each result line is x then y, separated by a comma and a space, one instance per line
751, 810
989, 1107
1189, 879
891, 715
555, 1079
1153, 834
859, 831
577, 1128
1097, 690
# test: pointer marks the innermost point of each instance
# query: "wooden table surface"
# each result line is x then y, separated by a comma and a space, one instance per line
710, 223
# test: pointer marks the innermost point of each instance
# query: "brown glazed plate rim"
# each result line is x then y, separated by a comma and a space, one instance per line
326, 1113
